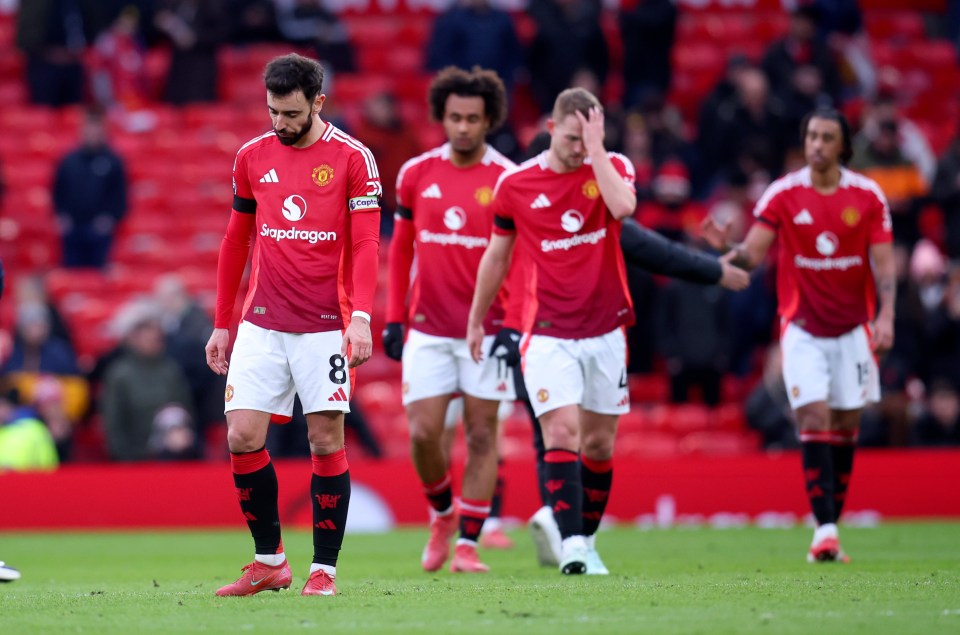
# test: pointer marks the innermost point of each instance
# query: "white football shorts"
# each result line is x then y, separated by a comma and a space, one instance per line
268, 368
434, 366
839, 370
591, 373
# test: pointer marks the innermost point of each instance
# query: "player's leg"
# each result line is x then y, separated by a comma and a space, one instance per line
806, 375
484, 386
543, 526
854, 382
606, 397
330, 498
493, 535
258, 383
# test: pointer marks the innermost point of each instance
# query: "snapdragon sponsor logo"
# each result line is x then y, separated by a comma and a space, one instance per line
827, 264
566, 244
470, 242
312, 236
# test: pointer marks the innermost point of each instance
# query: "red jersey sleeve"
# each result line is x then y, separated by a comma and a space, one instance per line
881, 225
625, 169
769, 209
501, 208
363, 203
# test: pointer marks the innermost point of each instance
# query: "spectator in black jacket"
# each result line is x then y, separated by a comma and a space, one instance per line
90, 196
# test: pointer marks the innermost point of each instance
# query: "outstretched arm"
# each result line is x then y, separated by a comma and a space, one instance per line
748, 254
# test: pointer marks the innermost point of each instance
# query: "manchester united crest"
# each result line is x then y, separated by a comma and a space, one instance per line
484, 195
543, 395
591, 190
228, 393
850, 216
322, 175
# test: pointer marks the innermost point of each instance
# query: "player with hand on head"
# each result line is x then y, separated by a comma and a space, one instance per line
443, 214
835, 259
311, 193
564, 209
645, 249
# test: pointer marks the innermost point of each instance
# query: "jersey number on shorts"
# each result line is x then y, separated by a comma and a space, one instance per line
338, 372
623, 378
863, 373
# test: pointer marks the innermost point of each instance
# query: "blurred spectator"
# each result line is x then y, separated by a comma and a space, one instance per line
636, 147
840, 26
749, 126
89, 196
667, 133
568, 38
49, 402
648, 30
187, 327
25, 442
474, 33
35, 350
253, 21
391, 142
692, 334
768, 408
877, 153
946, 192
116, 66
941, 358
53, 35
308, 23
31, 289
799, 66
138, 384
671, 212
172, 437
940, 422
195, 29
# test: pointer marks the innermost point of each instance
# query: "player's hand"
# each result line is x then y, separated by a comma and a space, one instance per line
216, 350
506, 344
393, 341
714, 233
732, 277
882, 335
475, 342
592, 130
357, 341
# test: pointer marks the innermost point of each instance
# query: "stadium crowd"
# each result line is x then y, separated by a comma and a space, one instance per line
129, 75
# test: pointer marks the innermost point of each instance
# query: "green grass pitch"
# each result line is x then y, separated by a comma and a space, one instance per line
904, 578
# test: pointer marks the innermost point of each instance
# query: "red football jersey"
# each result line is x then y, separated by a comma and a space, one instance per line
450, 212
576, 282
301, 279
824, 281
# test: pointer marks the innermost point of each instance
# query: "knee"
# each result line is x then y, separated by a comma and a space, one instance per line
481, 439
559, 436
424, 433
597, 446
813, 420
242, 439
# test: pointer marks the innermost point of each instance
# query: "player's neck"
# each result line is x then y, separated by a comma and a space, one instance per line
826, 181
468, 159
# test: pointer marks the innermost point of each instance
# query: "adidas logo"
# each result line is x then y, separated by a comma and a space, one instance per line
338, 396
432, 192
803, 218
270, 177
540, 202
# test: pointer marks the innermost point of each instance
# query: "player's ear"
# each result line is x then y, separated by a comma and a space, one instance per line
318, 103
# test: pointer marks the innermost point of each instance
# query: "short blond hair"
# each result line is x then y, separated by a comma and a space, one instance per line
572, 100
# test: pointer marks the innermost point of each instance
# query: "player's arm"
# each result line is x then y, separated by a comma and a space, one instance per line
746, 255
653, 252
230, 265
884, 273
365, 233
493, 269
618, 196
399, 261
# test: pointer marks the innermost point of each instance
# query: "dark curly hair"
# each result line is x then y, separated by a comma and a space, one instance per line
478, 82
288, 73
831, 114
